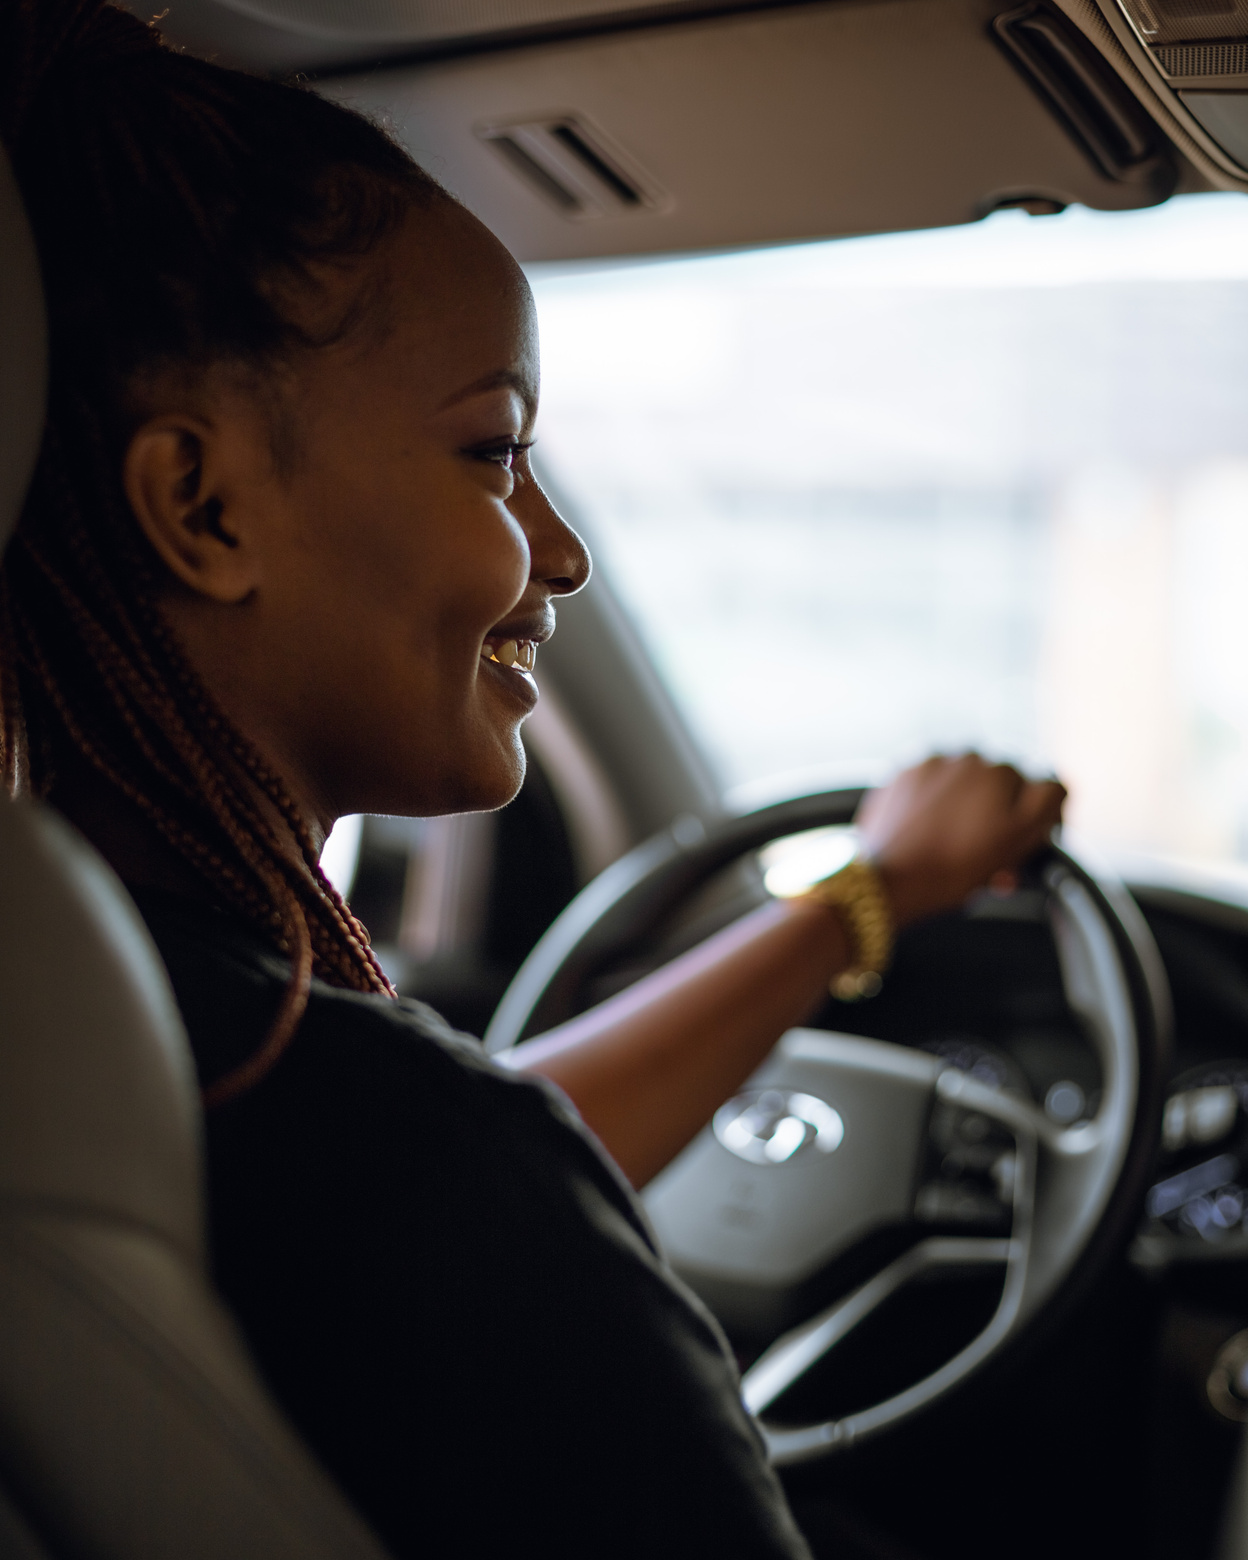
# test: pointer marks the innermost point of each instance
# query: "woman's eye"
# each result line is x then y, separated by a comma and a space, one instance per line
503, 454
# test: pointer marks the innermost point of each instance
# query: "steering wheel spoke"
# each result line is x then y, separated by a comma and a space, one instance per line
788, 1359
783, 1364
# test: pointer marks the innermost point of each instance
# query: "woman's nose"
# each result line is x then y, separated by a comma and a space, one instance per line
560, 559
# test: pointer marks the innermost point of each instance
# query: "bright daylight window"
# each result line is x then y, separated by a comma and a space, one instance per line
985, 486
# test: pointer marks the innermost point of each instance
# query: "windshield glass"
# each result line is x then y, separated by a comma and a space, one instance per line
981, 487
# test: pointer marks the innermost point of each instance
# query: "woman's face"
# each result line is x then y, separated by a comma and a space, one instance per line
392, 579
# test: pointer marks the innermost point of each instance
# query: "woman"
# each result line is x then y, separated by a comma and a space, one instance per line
284, 558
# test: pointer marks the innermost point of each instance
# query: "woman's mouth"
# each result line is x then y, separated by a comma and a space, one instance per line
518, 654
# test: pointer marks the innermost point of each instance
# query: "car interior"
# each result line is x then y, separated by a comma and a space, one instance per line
892, 371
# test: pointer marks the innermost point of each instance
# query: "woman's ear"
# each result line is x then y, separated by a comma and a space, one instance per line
176, 481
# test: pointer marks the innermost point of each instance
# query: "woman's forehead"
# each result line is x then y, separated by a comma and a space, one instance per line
451, 269
463, 310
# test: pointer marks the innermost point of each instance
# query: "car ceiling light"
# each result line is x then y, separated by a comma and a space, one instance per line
1192, 37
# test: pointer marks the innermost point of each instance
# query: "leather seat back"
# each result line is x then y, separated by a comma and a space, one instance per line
133, 1426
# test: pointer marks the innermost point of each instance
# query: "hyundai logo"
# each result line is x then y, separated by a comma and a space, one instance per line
769, 1126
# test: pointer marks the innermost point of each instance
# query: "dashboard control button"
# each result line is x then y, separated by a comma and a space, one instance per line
1227, 1385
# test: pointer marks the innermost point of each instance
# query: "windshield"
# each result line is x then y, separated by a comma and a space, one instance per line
981, 487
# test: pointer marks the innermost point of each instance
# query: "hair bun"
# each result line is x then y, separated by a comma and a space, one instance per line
46, 41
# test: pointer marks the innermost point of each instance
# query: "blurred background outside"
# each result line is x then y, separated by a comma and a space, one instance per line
983, 487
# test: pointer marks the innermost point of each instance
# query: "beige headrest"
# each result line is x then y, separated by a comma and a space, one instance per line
23, 352
99, 1112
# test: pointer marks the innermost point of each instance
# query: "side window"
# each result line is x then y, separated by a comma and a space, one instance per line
980, 486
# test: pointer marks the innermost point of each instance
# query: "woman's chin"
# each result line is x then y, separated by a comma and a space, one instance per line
492, 781
475, 767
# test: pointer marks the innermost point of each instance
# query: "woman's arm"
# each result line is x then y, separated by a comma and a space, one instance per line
649, 1067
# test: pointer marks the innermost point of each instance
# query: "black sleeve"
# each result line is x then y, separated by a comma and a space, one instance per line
457, 1301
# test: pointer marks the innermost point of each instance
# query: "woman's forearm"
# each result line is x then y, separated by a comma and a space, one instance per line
649, 1067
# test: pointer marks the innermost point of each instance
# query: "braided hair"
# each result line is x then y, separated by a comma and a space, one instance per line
178, 209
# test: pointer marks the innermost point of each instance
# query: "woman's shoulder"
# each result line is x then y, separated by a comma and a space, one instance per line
229, 983
379, 1111
414, 1237
390, 1072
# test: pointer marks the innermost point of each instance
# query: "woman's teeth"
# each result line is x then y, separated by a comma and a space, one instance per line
520, 653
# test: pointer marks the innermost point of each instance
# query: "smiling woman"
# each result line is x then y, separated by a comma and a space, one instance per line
285, 559
255, 455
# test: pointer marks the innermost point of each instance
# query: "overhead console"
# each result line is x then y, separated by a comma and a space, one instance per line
1200, 47
1187, 61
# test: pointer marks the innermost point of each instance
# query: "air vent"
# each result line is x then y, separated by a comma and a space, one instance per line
573, 166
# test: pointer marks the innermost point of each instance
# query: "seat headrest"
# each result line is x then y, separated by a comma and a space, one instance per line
99, 1111
23, 351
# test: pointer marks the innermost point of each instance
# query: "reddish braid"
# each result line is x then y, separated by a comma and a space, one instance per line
175, 206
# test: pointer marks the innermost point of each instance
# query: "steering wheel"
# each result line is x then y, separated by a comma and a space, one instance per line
825, 1147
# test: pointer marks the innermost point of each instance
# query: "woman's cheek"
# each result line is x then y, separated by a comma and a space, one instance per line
518, 550
492, 569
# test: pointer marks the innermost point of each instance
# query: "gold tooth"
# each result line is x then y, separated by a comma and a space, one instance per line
521, 654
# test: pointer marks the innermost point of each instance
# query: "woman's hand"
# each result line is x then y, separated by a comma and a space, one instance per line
946, 827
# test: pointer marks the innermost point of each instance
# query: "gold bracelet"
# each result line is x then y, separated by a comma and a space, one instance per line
858, 893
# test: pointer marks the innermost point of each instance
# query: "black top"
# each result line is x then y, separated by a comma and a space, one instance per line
450, 1288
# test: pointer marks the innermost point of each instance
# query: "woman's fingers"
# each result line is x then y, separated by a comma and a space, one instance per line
1039, 807
1012, 782
950, 825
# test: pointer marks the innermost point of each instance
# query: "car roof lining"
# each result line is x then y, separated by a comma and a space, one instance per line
745, 124
336, 37
415, 31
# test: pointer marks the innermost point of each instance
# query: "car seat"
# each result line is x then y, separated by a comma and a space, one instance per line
132, 1424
